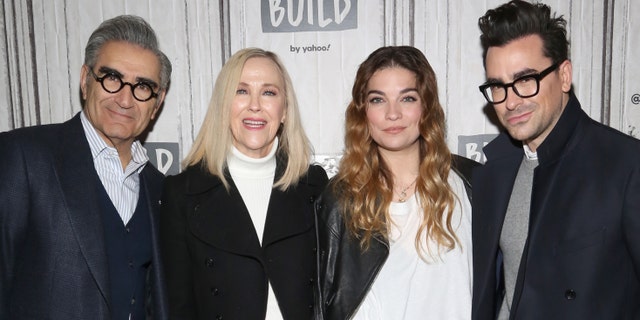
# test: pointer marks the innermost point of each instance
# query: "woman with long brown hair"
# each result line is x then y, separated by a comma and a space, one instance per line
394, 225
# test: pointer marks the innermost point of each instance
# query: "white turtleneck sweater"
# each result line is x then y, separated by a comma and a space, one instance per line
254, 180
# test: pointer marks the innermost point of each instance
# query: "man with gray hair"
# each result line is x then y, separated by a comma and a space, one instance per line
78, 200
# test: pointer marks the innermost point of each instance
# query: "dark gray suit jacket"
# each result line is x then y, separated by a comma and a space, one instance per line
52, 250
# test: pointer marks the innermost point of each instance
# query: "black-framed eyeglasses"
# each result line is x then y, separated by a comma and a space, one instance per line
525, 86
113, 83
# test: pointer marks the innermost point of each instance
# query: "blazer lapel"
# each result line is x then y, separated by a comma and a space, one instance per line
78, 182
493, 184
498, 175
220, 218
291, 212
288, 214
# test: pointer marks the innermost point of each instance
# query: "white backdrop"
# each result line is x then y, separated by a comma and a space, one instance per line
42, 43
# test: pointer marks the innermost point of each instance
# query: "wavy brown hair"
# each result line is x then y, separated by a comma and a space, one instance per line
364, 183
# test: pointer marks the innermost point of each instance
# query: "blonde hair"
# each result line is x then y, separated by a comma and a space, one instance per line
214, 141
364, 183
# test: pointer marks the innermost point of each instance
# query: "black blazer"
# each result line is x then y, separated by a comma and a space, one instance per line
52, 254
216, 267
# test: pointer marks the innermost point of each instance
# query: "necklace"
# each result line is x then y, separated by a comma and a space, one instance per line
402, 196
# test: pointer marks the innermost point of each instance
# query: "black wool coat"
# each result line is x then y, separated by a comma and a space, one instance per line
216, 267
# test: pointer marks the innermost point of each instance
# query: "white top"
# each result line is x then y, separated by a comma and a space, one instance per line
409, 287
254, 180
122, 186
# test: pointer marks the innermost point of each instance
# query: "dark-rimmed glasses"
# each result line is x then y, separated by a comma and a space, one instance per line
113, 83
525, 86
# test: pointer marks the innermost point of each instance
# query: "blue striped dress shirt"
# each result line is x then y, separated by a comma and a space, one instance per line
122, 186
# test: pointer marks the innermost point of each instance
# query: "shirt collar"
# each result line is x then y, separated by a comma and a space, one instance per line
98, 146
531, 155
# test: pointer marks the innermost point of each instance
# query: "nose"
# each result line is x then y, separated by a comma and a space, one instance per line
125, 98
254, 103
513, 100
393, 111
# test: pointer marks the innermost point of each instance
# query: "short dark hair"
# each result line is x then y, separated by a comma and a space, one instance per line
517, 19
131, 29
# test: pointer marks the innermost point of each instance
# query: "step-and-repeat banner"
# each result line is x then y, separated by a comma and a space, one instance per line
321, 42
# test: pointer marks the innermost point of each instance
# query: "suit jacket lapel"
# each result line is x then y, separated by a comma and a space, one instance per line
78, 182
151, 185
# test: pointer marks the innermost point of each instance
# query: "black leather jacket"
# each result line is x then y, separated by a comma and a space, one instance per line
345, 273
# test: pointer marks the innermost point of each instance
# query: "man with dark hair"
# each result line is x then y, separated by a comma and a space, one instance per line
78, 202
558, 202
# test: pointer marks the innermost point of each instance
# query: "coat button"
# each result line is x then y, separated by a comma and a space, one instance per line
215, 291
570, 294
310, 281
219, 317
208, 262
195, 213
312, 199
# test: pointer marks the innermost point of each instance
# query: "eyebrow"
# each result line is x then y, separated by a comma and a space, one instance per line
403, 91
519, 74
242, 83
105, 70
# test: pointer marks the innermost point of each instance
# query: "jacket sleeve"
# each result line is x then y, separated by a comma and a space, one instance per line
175, 253
14, 212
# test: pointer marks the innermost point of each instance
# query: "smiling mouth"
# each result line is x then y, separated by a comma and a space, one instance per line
120, 114
254, 123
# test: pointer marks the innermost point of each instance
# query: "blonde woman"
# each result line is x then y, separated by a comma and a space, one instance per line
237, 224
394, 226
